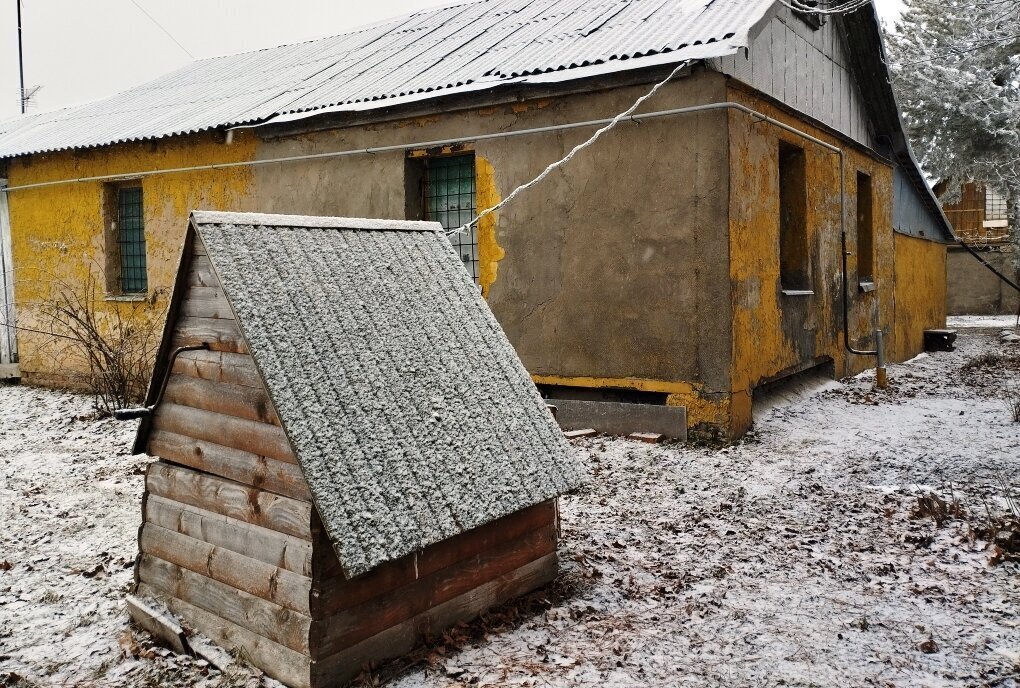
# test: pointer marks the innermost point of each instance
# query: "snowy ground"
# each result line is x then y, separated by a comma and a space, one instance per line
806, 555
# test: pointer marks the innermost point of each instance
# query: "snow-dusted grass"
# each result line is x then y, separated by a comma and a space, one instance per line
795, 557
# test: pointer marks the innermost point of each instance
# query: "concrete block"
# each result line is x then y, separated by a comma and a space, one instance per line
577, 434
613, 418
9, 371
649, 437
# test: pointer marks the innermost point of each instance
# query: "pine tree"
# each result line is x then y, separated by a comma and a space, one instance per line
956, 71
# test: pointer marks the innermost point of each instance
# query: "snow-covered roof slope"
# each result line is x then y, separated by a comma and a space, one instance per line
423, 55
410, 414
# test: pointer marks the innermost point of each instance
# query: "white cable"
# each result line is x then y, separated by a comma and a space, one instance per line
567, 158
845, 8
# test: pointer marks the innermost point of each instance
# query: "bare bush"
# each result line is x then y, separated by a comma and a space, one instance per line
1012, 399
115, 342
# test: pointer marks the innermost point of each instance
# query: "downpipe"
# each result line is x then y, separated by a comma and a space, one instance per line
146, 411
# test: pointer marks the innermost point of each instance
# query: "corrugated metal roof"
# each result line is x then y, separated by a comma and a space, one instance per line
428, 53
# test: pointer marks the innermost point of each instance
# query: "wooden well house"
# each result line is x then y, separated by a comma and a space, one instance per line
351, 456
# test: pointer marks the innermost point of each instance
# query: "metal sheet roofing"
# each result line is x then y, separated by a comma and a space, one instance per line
426, 54
411, 416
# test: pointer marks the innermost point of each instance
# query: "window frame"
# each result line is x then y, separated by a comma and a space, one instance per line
864, 232
115, 243
424, 165
795, 269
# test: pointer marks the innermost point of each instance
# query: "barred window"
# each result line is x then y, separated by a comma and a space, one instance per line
449, 199
130, 231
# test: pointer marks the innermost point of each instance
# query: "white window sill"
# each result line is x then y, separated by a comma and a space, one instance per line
798, 292
867, 287
128, 297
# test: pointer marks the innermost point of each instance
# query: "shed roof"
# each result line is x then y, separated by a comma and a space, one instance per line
409, 412
433, 52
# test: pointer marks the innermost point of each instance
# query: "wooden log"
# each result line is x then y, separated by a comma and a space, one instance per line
228, 498
329, 576
252, 576
206, 302
271, 621
220, 335
351, 626
279, 662
270, 546
227, 431
158, 624
219, 366
338, 669
200, 272
233, 464
250, 403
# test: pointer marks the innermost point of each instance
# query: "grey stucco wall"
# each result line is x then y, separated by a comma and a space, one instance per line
974, 289
615, 267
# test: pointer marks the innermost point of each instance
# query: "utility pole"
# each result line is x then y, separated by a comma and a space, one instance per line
21, 62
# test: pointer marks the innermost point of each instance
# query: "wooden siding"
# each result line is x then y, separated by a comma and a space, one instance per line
231, 542
805, 68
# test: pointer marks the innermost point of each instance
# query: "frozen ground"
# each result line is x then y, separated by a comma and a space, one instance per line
810, 554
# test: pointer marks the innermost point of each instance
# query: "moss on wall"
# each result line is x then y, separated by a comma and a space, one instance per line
59, 233
920, 293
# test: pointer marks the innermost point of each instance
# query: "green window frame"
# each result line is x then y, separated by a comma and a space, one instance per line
450, 200
131, 241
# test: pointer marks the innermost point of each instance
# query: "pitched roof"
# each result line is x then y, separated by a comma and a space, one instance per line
410, 414
441, 51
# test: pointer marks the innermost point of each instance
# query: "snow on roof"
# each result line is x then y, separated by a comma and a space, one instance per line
410, 414
423, 55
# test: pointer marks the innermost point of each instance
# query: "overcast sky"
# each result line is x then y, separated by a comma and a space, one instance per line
81, 50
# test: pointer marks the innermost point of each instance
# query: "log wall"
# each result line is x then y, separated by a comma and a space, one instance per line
231, 541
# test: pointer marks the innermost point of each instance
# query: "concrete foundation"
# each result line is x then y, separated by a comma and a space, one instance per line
613, 418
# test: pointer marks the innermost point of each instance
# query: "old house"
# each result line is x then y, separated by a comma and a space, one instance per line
760, 216
352, 456
980, 218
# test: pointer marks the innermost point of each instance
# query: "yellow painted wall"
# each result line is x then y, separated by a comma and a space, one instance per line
920, 293
775, 334
58, 232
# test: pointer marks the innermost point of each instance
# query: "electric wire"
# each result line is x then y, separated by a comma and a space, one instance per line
163, 29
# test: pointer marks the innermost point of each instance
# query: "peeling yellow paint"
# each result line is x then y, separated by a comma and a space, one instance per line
489, 250
920, 293
637, 384
59, 239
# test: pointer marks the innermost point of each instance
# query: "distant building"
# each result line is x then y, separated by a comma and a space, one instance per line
686, 261
980, 218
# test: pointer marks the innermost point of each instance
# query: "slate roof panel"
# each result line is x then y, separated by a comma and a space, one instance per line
410, 414
436, 51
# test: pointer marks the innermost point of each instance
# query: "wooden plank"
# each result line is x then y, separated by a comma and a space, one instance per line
351, 626
158, 624
340, 668
252, 576
220, 335
279, 662
250, 403
233, 464
200, 273
329, 576
206, 302
227, 431
271, 621
270, 546
219, 366
228, 498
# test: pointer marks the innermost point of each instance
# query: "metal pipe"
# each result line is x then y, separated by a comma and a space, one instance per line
881, 376
142, 412
21, 62
695, 109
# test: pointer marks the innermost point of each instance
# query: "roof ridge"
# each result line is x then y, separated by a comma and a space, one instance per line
216, 217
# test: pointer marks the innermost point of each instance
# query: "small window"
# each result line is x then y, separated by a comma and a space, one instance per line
125, 265
865, 231
448, 197
794, 258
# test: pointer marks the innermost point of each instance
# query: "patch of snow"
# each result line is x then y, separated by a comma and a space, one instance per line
981, 321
